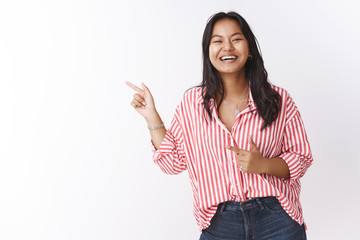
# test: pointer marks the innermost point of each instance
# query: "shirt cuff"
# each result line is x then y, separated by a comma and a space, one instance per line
295, 164
167, 145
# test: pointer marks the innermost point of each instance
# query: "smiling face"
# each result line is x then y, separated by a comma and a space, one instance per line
229, 49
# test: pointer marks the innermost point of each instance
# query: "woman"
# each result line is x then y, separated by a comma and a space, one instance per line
241, 139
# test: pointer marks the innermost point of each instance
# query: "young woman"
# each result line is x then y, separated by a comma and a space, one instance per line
241, 139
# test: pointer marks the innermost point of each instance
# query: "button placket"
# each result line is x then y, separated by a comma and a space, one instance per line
238, 175
231, 142
233, 162
230, 157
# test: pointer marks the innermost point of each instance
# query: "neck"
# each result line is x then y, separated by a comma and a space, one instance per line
234, 85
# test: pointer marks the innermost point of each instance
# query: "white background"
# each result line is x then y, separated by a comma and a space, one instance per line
75, 158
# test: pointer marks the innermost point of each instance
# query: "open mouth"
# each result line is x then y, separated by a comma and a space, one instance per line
228, 58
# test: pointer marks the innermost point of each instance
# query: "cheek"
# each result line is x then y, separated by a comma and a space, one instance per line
212, 54
246, 47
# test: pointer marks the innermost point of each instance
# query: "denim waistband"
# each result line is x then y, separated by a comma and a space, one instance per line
243, 206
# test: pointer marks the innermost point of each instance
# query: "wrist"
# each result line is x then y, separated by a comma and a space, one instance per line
266, 165
153, 119
276, 167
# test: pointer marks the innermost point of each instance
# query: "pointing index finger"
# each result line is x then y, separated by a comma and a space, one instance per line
237, 150
134, 87
234, 149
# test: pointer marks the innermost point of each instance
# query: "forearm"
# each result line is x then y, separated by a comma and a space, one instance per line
157, 135
276, 167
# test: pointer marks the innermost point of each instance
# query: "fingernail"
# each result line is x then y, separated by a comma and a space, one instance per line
144, 103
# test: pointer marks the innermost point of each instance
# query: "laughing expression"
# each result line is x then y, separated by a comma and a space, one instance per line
229, 49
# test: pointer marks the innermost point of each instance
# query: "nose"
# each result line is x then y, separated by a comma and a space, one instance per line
228, 46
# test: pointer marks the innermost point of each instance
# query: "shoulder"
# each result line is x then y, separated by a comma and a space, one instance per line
282, 92
189, 104
288, 105
194, 92
192, 96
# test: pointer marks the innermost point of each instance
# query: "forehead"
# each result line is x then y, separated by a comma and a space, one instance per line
226, 26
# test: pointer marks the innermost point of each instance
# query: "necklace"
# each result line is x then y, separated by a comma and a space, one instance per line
237, 110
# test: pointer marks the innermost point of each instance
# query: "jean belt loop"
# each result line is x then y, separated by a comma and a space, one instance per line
261, 205
222, 206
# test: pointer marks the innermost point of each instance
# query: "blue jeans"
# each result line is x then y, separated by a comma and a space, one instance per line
259, 218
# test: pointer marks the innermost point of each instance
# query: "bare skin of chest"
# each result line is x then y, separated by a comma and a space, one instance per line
226, 115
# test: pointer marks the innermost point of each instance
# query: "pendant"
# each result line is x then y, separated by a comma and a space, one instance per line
237, 111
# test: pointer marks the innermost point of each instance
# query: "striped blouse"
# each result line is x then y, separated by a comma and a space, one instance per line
198, 146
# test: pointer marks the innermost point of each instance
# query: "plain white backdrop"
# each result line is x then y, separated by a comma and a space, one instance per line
75, 158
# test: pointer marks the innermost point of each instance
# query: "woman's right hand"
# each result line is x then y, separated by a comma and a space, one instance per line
143, 101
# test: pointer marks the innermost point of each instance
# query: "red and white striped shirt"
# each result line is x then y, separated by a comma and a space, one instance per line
191, 143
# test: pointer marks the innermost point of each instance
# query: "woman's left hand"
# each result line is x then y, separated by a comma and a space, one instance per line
249, 161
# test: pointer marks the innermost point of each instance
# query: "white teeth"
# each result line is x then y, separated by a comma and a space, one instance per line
228, 58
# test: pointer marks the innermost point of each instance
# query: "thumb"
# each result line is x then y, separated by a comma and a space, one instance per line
146, 89
252, 144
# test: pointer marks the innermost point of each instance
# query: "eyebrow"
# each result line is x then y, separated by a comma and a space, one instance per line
237, 33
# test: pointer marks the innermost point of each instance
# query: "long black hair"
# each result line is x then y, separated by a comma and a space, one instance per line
267, 100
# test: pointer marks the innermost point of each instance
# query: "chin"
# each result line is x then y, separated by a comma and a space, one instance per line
229, 71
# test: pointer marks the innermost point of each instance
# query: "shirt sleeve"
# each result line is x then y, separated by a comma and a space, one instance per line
170, 156
296, 148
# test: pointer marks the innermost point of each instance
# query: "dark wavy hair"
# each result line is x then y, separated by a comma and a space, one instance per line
267, 100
